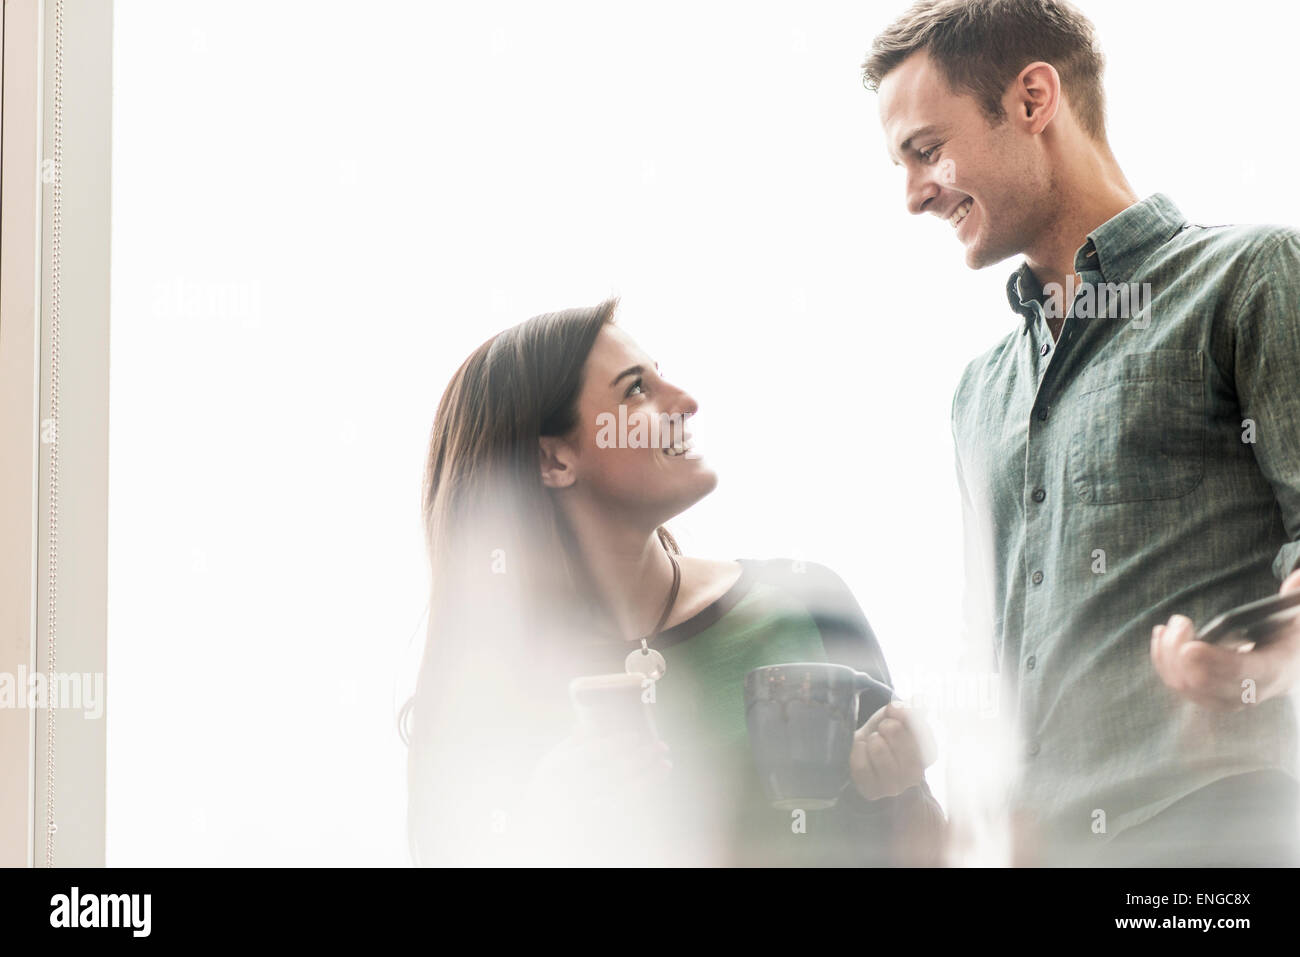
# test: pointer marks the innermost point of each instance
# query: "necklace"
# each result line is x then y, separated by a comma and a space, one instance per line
647, 661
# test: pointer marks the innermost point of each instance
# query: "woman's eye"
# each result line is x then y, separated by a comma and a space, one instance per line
635, 387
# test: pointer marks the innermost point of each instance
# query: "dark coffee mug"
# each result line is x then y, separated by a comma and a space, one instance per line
801, 720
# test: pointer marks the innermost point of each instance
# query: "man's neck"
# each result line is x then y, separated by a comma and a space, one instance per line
1093, 195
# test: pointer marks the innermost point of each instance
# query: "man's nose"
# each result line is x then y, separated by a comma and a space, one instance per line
921, 191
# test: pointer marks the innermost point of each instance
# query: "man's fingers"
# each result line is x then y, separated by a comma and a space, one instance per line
1157, 658
1172, 637
1205, 674
1208, 666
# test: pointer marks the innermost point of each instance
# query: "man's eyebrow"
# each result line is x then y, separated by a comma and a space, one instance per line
916, 135
631, 370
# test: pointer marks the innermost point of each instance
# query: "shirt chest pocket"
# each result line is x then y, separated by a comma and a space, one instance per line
1139, 433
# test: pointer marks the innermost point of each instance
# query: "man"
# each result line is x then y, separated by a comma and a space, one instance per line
1129, 454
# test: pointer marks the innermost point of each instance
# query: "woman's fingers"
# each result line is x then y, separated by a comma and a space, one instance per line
904, 748
884, 764
861, 770
891, 752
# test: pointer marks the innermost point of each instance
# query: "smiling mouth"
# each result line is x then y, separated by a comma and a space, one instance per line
960, 213
680, 449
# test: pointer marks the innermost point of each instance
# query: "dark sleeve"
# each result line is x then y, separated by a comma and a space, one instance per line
906, 830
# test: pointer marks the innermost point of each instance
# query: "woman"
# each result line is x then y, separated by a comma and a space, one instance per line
546, 489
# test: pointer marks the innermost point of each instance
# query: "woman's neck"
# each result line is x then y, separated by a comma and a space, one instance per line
629, 568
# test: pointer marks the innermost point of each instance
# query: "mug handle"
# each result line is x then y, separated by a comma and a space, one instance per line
864, 682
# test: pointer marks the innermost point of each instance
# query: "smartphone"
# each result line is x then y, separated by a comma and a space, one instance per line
612, 704
1255, 623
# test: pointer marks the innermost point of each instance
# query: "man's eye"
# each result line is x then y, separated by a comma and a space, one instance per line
634, 388
928, 155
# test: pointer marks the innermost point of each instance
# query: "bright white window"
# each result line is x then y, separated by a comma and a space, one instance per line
320, 209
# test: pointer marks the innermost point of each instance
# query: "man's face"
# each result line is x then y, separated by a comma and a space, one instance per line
987, 182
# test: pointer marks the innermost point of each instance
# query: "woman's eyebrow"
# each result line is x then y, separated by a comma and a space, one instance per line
631, 370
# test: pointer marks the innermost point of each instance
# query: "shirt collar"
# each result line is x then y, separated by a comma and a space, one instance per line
1023, 290
1112, 253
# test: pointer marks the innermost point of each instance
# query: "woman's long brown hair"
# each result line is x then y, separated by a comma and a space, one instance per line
509, 588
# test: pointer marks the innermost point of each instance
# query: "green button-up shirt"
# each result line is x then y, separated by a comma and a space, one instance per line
1147, 463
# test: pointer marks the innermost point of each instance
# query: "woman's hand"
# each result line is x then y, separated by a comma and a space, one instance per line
590, 772
891, 752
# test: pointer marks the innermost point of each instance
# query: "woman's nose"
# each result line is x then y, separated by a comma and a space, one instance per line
686, 403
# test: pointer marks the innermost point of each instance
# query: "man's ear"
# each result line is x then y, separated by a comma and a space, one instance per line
1036, 96
557, 462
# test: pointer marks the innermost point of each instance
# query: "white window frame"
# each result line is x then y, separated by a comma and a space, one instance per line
85, 29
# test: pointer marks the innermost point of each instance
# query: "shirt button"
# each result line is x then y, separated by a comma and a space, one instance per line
1036, 578
1045, 350
1030, 662
1039, 494
1042, 414
1034, 749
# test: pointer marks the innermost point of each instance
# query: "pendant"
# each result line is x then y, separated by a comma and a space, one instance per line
646, 662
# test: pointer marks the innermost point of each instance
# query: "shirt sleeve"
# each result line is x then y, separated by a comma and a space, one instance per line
1266, 322
906, 830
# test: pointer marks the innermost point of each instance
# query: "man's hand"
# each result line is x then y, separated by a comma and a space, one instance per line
1216, 678
891, 752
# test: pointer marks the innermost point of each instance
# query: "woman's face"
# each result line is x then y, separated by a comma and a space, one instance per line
630, 451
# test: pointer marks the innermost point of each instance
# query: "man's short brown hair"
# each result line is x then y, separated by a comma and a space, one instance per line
982, 45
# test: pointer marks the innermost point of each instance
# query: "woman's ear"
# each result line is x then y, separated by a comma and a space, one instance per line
557, 462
